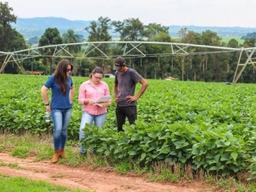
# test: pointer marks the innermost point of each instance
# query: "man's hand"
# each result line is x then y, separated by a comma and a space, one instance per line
131, 98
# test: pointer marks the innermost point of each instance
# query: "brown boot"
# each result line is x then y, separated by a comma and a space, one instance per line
62, 154
55, 157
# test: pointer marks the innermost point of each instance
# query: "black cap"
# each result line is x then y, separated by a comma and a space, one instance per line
120, 61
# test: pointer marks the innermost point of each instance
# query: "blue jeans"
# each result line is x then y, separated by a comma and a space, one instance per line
87, 118
61, 118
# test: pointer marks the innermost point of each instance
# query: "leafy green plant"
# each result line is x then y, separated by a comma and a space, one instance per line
208, 126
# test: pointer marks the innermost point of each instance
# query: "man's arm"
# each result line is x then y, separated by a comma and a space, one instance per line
144, 86
116, 89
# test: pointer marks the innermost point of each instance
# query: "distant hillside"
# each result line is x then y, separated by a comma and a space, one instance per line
32, 27
222, 31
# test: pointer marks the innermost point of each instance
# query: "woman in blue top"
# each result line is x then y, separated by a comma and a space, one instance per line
62, 89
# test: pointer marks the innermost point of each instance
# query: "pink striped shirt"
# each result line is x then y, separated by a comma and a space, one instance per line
93, 92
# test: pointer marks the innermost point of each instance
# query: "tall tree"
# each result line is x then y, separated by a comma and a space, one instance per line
154, 30
191, 37
99, 30
215, 64
71, 37
182, 32
249, 42
17, 42
161, 66
192, 64
130, 29
210, 38
233, 43
6, 17
10, 39
51, 36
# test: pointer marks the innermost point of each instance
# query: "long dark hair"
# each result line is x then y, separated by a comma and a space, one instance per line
96, 70
61, 76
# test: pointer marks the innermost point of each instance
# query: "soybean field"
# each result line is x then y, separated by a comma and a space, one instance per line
209, 127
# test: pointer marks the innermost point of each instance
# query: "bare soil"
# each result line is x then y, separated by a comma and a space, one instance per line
92, 180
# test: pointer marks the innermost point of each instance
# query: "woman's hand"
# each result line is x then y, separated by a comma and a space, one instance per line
100, 105
88, 102
106, 104
48, 108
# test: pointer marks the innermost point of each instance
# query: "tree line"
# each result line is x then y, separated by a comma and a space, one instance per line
204, 67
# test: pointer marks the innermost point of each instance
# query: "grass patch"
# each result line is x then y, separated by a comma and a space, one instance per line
72, 157
43, 152
230, 184
14, 184
130, 168
94, 161
21, 151
2, 148
163, 176
41, 148
123, 167
11, 165
165, 172
20, 146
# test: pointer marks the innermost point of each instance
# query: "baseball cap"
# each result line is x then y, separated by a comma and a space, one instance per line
120, 61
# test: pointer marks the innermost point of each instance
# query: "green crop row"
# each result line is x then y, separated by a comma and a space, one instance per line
210, 126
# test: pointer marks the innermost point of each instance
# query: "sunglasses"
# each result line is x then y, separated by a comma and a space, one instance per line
119, 66
97, 77
68, 70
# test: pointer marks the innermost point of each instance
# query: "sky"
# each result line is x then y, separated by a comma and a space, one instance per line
165, 12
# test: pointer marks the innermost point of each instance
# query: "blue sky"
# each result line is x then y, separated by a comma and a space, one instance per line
165, 12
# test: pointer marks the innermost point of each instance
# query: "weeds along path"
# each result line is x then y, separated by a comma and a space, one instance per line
83, 178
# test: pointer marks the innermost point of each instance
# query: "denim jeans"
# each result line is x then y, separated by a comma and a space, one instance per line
87, 118
61, 118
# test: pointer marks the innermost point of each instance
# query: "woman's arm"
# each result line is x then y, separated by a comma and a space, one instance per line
82, 100
71, 94
44, 94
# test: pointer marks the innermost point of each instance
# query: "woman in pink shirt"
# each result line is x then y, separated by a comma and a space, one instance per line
94, 98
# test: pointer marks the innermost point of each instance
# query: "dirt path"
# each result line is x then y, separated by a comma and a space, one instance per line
83, 178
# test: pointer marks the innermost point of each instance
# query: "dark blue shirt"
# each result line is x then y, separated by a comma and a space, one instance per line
59, 100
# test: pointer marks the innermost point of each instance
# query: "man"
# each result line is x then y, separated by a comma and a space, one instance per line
125, 83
